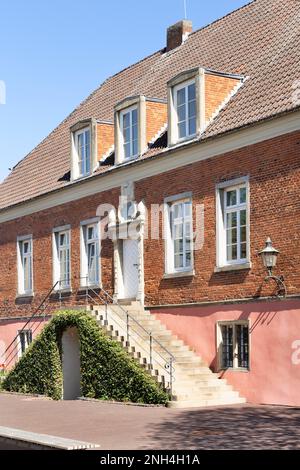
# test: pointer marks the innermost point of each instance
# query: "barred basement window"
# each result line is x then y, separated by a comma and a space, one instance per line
24, 340
233, 345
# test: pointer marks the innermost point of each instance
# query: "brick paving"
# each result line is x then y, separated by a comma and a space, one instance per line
115, 426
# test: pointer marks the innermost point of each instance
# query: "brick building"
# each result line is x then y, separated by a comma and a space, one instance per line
161, 189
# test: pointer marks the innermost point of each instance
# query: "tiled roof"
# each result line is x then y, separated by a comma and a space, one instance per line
260, 41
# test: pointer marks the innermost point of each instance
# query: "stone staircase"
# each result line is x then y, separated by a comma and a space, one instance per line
193, 383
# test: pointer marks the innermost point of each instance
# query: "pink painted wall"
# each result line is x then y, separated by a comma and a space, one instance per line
8, 331
274, 375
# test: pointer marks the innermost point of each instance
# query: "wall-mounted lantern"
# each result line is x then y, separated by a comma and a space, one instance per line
269, 258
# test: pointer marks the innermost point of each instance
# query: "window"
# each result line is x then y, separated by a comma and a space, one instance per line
62, 258
24, 340
185, 105
130, 116
90, 254
233, 224
235, 200
129, 126
128, 206
181, 234
234, 345
25, 282
179, 228
83, 149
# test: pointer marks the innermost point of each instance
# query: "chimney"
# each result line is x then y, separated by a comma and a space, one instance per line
178, 33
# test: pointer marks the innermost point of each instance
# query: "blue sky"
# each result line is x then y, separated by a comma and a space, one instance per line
53, 53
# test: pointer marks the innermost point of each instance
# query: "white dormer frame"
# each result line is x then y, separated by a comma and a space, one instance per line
81, 126
196, 76
129, 104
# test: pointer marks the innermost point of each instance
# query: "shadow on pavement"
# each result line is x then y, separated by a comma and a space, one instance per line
229, 428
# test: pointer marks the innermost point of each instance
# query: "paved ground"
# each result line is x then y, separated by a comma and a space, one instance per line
122, 427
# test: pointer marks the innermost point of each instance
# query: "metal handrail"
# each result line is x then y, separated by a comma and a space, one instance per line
106, 299
14, 342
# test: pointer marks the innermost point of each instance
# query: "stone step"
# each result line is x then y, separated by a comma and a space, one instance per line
191, 369
200, 381
205, 395
194, 384
179, 389
188, 362
206, 403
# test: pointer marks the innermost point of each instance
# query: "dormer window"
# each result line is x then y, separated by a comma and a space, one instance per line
83, 149
129, 126
186, 109
195, 97
186, 106
138, 119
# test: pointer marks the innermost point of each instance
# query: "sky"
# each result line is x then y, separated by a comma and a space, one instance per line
54, 53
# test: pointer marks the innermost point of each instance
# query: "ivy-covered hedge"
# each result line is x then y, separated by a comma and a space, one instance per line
107, 371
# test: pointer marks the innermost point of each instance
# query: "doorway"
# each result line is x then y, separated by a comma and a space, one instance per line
130, 268
71, 364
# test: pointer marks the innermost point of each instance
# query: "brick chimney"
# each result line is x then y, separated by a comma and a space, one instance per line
178, 33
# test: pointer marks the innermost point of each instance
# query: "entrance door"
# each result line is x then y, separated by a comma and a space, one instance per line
71, 364
130, 268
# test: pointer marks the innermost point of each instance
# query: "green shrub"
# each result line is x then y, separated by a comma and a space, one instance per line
107, 371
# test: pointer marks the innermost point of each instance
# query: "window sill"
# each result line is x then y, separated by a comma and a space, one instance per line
183, 140
65, 290
90, 286
233, 267
179, 274
128, 160
81, 177
234, 369
25, 296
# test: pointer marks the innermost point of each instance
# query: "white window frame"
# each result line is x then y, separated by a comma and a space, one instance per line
84, 275
234, 324
122, 114
221, 210
20, 265
169, 203
57, 232
177, 88
78, 158
27, 343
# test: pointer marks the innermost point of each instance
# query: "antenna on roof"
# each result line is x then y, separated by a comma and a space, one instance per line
185, 9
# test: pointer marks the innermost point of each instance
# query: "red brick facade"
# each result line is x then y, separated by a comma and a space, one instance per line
217, 90
156, 118
105, 139
274, 172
